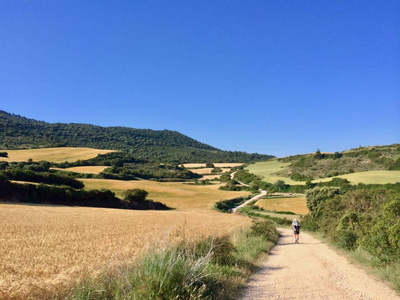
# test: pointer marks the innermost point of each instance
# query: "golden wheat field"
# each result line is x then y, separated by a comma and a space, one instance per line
84, 169
44, 249
174, 194
296, 205
56, 155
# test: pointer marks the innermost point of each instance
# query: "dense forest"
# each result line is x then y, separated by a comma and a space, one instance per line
17, 132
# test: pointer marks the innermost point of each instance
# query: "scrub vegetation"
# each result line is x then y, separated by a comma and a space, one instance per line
363, 221
212, 268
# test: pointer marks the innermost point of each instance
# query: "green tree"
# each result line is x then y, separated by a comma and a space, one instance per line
135, 195
316, 196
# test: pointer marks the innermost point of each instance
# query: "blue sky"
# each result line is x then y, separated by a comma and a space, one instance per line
273, 77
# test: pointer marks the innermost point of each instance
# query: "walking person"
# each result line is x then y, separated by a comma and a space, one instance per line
296, 230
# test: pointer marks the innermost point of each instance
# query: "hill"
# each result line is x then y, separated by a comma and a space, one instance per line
324, 165
17, 132
369, 165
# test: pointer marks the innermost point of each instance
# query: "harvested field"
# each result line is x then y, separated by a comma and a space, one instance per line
210, 177
84, 169
57, 155
46, 248
296, 205
220, 165
203, 171
174, 194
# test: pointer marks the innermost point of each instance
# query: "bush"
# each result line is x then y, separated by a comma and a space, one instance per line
135, 195
265, 228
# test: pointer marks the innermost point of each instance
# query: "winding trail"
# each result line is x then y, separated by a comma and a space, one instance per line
256, 197
311, 270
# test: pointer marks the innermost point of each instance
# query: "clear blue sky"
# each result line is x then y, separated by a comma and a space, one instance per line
274, 77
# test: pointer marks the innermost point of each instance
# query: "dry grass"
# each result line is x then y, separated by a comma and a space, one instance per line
296, 205
219, 165
57, 155
43, 249
203, 171
210, 177
174, 194
84, 169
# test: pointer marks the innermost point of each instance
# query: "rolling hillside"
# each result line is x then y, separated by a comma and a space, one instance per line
17, 132
369, 165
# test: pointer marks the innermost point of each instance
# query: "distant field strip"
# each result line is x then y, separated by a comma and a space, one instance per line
219, 165
208, 170
296, 205
369, 177
84, 169
174, 194
56, 155
267, 169
43, 249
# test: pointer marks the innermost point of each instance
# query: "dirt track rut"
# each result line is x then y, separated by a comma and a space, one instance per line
311, 270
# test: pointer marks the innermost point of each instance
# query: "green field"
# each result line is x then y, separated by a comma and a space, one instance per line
369, 177
267, 169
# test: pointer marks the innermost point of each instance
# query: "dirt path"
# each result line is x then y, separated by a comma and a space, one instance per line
311, 270
257, 197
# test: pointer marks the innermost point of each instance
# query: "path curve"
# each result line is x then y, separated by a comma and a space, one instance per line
256, 197
311, 270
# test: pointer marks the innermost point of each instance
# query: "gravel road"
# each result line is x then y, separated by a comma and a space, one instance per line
311, 270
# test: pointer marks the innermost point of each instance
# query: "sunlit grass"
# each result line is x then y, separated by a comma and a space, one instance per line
296, 205
45, 248
57, 155
174, 194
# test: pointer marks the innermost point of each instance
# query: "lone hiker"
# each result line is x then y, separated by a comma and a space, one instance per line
296, 230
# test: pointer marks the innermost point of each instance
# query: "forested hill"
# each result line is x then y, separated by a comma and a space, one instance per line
17, 132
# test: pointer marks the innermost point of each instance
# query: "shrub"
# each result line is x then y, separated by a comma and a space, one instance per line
135, 195
265, 228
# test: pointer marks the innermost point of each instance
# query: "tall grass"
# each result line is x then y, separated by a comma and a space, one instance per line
388, 272
214, 268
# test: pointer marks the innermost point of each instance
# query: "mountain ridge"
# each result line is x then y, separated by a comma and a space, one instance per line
18, 132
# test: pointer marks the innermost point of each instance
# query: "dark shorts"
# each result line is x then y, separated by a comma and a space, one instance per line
297, 232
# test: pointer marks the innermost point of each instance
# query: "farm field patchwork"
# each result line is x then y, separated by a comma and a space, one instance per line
267, 169
174, 194
296, 205
56, 155
44, 249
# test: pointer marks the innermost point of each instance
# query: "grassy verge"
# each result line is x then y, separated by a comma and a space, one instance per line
387, 272
214, 268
